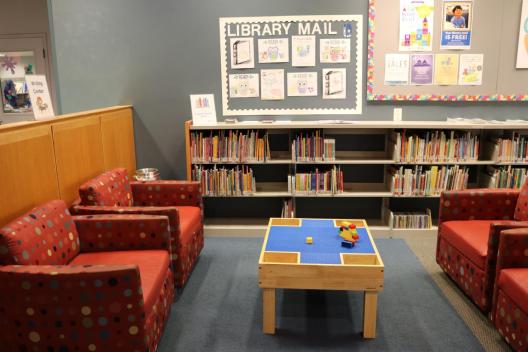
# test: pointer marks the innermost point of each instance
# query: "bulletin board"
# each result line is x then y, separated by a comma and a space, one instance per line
323, 68
495, 34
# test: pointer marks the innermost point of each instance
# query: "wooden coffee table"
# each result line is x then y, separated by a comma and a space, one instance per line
286, 261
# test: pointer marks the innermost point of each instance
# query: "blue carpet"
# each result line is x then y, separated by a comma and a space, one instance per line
220, 309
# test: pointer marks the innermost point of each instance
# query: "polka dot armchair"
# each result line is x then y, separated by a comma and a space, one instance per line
85, 283
470, 223
510, 299
180, 201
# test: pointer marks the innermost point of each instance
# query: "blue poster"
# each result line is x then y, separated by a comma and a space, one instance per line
456, 24
456, 40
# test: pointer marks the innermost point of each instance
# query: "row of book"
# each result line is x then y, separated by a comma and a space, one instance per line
313, 147
288, 208
328, 182
512, 150
507, 177
225, 182
435, 147
403, 220
420, 182
230, 146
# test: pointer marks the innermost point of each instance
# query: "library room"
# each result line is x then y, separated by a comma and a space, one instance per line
298, 175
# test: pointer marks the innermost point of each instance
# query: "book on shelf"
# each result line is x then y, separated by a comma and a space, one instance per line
288, 208
514, 149
506, 177
230, 146
225, 182
435, 146
419, 181
317, 182
313, 147
411, 220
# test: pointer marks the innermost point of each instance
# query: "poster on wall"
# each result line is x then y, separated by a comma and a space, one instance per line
416, 25
334, 50
522, 48
40, 98
242, 55
446, 69
303, 50
244, 85
273, 50
396, 69
302, 84
422, 69
456, 26
272, 84
471, 69
203, 109
334, 83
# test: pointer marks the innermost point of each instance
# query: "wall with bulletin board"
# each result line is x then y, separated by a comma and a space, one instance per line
278, 49
494, 34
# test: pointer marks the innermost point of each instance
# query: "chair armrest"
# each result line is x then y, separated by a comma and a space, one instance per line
478, 204
78, 302
167, 193
122, 232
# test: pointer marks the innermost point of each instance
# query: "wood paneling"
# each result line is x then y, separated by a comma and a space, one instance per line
27, 170
118, 140
78, 152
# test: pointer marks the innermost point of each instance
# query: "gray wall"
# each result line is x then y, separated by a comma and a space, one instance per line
153, 54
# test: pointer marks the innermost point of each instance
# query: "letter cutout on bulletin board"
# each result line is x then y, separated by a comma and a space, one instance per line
257, 50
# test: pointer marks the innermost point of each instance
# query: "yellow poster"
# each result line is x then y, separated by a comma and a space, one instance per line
446, 69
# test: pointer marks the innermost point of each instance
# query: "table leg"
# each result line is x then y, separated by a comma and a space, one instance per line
369, 314
268, 310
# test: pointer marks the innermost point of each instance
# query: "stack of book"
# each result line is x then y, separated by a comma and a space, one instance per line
435, 147
329, 182
312, 147
512, 150
506, 177
411, 220
225, 182
230, 146
288, 208
419, 182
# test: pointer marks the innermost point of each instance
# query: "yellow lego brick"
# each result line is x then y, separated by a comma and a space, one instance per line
309, 240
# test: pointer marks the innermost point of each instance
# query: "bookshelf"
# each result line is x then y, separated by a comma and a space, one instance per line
366, 152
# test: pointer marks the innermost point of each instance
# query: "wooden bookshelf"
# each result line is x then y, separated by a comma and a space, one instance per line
368, 188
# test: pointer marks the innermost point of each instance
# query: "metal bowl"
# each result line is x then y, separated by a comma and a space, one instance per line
147, 174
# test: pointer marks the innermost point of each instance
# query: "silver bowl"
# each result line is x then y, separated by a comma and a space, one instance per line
147, 174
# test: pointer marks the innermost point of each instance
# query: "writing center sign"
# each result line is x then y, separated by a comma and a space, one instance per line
318, 59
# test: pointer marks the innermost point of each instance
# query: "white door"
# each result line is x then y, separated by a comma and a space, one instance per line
20, 56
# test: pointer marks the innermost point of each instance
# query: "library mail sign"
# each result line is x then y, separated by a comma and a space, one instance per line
291, 65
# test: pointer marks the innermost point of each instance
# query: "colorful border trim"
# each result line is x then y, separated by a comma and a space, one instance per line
371, 96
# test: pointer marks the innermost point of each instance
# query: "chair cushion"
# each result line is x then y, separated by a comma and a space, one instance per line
514, 283
470, 237
521, 209
190, 221
111, 188
46, 235
152, 265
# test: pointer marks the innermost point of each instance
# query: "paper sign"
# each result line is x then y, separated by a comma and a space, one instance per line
273, 50
471, 69
242, 55
456, 26
334, 83
422, 69
272, 84
522, 48
302, 84
244, 85
446, 69
40, 97
303, 50
203, 109
334, 50
396, 69
416, 25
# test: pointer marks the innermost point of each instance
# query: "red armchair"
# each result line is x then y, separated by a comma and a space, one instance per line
470, 223
180, 201
510, 299
87, 283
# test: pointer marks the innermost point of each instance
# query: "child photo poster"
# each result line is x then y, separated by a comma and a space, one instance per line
456, 26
